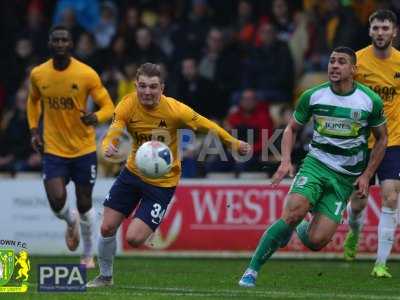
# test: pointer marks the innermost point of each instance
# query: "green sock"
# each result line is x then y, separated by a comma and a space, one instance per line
302, 233
269, 243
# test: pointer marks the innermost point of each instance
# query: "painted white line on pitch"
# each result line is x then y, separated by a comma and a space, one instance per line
250, 292
185, 292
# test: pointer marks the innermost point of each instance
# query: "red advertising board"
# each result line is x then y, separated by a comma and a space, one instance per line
227, 217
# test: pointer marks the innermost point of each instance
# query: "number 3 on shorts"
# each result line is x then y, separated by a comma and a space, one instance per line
338, 207
157, 213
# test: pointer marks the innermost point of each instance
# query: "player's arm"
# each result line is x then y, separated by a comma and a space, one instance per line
120, 120
197, 122
102, 99
378, 150
377, 121
301, 116
33, 114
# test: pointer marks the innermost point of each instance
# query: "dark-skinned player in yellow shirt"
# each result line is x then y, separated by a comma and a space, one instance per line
146, 114
59, 91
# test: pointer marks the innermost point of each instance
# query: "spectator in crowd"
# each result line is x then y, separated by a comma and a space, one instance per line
291, 27
107, 26
117, 55
193, 30
126, 84
251, 118
221, 67
35, 29
17, 64
86, 13
334, 25
245, 22
68, 19
270, 68
197, 91
145, 49
16, 153
130, 23
165, 32
86, 52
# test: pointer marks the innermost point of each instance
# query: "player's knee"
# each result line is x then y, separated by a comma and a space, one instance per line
107, 230
135, 240
84, 207
390, 199
295, 210
57, 202
293, 217
317, 242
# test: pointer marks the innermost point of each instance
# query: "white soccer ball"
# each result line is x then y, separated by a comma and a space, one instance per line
154, 159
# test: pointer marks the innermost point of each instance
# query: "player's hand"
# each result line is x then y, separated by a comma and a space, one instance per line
362, 185
244, 148
283, 170
112, 148
89, 119
36, 141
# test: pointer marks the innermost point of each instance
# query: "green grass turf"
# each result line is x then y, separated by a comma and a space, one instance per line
196, 278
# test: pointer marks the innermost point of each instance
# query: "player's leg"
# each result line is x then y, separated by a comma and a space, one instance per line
83, 173
55, 175
356, 216
327, 211
318, 233
107, 246
387, 226
122, 199
149, 214
275, 236
304, 192
87, 219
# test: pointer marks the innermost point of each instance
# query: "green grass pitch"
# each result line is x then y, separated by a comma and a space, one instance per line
197, 278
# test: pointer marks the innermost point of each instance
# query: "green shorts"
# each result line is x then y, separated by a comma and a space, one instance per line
327, 190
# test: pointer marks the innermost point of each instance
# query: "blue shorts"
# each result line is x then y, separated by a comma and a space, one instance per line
390, 165
129, 192
82, 169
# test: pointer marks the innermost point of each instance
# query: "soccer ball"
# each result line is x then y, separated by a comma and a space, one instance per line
153, 159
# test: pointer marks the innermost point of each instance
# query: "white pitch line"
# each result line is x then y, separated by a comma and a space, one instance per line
249, 292
185, 292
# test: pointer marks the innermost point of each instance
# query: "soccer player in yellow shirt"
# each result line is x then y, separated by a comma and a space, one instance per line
146, 114
379, 68
59, 89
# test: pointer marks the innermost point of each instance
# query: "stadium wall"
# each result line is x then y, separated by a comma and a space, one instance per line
205, 218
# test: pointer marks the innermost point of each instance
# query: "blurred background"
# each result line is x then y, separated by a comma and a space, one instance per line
241, 63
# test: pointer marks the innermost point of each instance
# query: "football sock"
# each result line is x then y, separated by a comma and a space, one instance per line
356, 221
87, 222
107, 247
66, 214
386, 230
269, 243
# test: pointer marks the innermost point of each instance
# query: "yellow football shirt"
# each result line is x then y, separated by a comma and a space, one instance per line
383, 77
162, 124
61, 97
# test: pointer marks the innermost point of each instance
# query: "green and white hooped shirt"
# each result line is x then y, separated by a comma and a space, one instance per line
341, 125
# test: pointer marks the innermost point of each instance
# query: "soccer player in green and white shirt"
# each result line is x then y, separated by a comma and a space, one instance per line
344, 112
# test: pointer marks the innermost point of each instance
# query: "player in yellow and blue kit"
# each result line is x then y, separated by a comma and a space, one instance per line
379, 68
146, 114
59, 89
